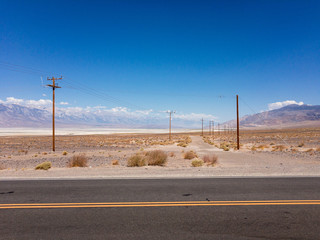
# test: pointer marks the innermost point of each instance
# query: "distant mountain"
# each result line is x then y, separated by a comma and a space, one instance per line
289, 116
13, 115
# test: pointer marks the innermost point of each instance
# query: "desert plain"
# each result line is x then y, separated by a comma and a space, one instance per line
286, 152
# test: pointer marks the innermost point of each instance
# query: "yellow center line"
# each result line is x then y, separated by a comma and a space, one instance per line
158, 204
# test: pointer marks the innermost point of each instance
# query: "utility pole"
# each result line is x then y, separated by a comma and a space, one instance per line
238, 125
213, 128
202, 126
210, 127
170, 112
53, 86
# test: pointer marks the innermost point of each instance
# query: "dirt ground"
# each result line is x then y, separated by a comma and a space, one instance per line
293, 152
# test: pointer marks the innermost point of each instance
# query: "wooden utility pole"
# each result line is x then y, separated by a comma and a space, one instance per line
210, 127
238, 125
170, 113
202, 127
53, 86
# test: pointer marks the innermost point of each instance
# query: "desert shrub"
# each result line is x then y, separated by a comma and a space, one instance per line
224, 146
23, 151
253, 148
2, 167
172, 154
279, 148
64, 153
78, 161
309, 150
115, 162
262, 147
301, 144
156, 158
190, 155
182, 144
197, 162
43, 166
318, 149
136, 160
210, 159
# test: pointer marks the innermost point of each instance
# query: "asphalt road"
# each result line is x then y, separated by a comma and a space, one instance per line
171, 209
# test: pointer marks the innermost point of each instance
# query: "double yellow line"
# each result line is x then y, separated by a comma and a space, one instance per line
158, 204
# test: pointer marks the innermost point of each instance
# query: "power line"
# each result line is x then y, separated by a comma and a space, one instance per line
80, 87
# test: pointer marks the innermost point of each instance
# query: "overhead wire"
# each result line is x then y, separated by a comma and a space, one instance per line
72, 85
260, 116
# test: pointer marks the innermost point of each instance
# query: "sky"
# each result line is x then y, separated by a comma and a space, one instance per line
189, 56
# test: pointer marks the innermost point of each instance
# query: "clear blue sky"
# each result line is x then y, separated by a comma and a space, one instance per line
163, 55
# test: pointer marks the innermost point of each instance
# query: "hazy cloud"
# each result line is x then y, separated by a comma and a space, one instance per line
41, 103
277, 105
104, 113
194, 116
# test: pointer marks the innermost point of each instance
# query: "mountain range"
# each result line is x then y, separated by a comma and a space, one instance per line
293, 115
14, 115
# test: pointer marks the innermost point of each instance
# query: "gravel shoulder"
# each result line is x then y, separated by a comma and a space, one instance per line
230, 164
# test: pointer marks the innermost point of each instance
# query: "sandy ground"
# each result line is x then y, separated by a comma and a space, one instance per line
230, 163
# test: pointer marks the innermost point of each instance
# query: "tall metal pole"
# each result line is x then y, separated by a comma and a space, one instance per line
53, 86
170, 128
213, 129
238, 125
170, 113
202, 126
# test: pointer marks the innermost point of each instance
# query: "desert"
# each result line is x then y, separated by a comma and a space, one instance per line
286, 152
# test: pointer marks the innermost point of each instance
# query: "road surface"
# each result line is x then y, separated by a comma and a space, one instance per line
216, 208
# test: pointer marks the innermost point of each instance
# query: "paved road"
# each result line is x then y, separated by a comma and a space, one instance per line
282, 220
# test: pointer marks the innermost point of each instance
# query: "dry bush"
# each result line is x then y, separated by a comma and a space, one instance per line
279, 148
262, 147
172, 154
136, 160
253, 148
43, 166
294, 150
190, 155
64, 153
78, 161
210, 159
156, 158
309, 150
318, 149
44, 153
2, 167
301, 144
115, 162
197, 162
224, 146
182, 144
23, 151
